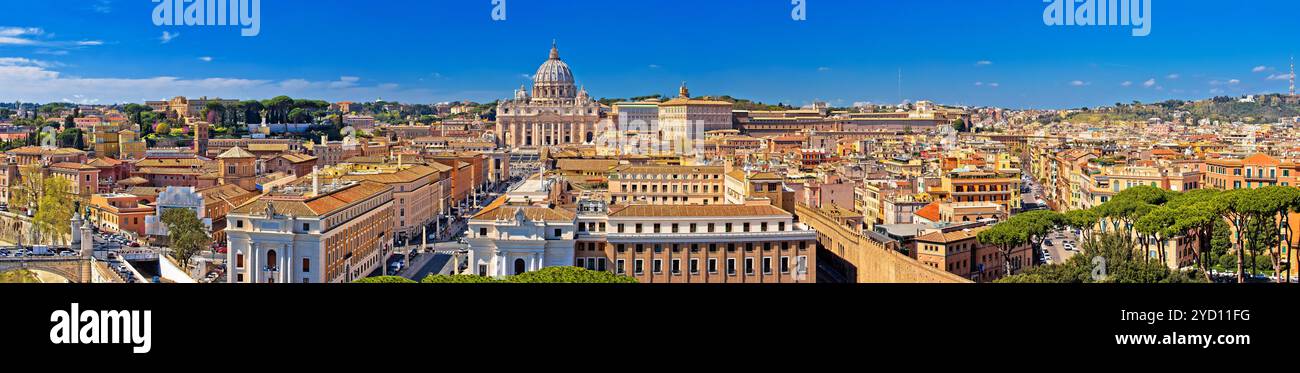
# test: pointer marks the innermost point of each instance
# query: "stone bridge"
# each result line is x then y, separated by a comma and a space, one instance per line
74, 268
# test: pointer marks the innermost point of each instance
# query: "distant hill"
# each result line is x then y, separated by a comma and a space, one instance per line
1261, 109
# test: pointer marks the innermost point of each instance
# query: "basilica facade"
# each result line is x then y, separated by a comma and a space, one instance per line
554, 112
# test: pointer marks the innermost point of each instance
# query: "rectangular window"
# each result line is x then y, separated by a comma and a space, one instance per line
638, 266
767, 265
749, 266
659, 266
306, 265
801, 265
695, 266
239, 260
713, 265
785, 264
591, 264
677, 266
731, 266
619, 266
482, 232
578, 262
600, 264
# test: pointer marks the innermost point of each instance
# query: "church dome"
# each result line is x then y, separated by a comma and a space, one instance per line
553, 78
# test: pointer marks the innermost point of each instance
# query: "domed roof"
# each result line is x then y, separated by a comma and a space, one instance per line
553, 71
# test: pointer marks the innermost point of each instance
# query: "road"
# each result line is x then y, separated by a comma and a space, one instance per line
1055, 245
425, 265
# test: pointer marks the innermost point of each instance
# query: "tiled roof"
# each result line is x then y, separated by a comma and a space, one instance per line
404, 176
929, 212
236, 152
319, 206
602, 165
941, 237
497, 210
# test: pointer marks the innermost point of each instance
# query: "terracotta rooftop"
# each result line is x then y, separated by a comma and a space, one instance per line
236, 152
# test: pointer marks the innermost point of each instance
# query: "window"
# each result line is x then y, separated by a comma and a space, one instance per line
239, 223
557, 233
801, 265
578, 262
731, 266
619, 266
749, 266
239, 260
713, 265
306, 265
600, 264
785, 264
658, 266
482, 269
767, 265
677, 266
638, 266
482, 232
239, 277
695, 266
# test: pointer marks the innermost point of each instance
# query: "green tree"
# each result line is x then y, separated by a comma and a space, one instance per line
185, 233
162, 129
457, 279
384, 280
569, 275
54, 209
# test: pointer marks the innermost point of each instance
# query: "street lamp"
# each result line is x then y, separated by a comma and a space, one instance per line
273, 270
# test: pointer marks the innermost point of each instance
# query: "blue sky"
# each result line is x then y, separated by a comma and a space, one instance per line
974, 52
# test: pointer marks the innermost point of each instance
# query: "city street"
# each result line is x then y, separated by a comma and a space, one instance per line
1055, 246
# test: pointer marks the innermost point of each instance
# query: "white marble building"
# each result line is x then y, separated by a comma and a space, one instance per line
509, 240
555, 112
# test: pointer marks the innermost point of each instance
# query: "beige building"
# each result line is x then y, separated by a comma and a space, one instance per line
667, 185
336, 232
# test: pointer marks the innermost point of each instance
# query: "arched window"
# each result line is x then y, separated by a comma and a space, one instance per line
520, 266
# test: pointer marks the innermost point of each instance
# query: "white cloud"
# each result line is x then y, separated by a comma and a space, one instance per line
1126, 83
31, 80
979, 84
167, 37
19, 61
1234, 82
823, 69
205, 59
21, 31
994, 85
1173, 76
1149, 83
1079, 83
1216, 91
102, 6
1279, 77
654, 66
90, 43
983, 63
1260, 69
345, 82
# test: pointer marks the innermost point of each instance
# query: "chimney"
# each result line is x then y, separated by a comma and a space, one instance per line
315, 181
